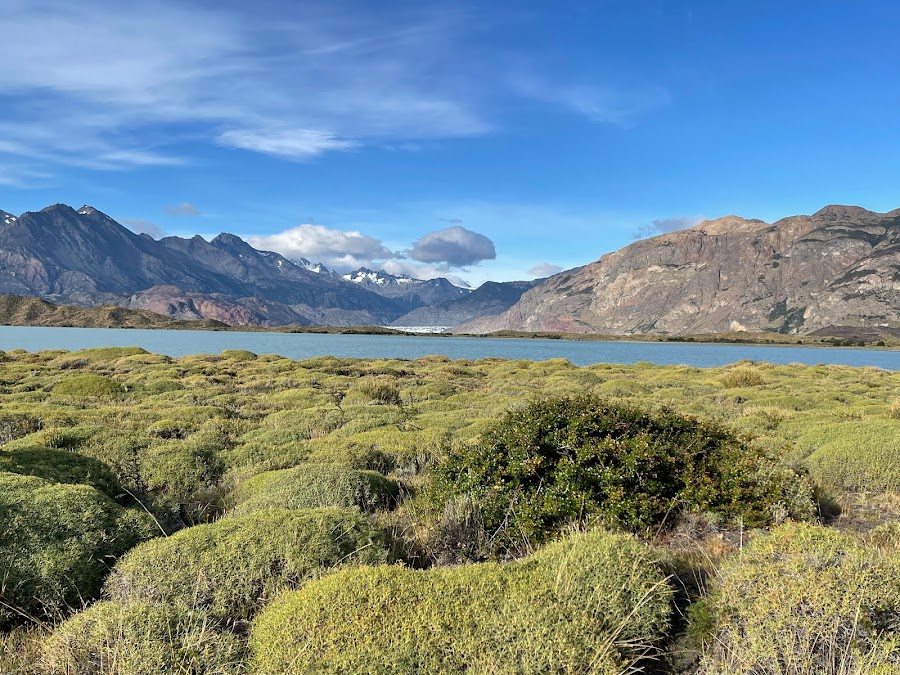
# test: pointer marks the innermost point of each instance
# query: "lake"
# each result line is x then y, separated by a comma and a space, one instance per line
307, 345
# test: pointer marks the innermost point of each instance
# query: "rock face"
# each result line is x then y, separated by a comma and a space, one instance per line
492, 297
840, 266
86, 258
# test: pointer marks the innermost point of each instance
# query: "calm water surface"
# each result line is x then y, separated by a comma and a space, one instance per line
307, 345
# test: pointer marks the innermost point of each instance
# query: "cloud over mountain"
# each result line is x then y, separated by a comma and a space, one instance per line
340, 249
664, 225
544, 270
456, 246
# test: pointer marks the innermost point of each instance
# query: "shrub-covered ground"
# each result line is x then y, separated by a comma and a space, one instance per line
283, 499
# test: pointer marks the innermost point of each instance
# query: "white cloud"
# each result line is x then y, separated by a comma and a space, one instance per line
664, 225
183, 209
142, 226
601, 103
289, 143
456, 246
544, 270
105, 85
338, 249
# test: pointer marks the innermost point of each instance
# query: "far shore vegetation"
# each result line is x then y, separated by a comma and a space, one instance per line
18, 310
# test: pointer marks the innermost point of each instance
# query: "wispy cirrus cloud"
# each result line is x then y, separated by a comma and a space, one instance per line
104, 85
664, 225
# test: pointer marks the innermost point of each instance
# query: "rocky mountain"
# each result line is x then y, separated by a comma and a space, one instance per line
491, 298
837, 267
412, 293
86, 258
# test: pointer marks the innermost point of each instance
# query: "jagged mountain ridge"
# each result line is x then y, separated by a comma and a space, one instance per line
492, 297
838, 267
86, 258
404, 289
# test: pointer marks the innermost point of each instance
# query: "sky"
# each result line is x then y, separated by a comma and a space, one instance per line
502, 140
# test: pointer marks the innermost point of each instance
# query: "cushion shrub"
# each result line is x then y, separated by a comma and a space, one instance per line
142, 638
806, 599
232, 567
57, 543
583, 458
61, 466
313, 485
594, 602
88, 386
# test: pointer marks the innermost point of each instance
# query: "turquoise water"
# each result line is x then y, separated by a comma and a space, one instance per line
307, 345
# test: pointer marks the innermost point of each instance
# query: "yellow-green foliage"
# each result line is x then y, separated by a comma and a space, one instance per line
61, 466
142, 638
855, 455
314, 485
807, 599
592, 603
235, 565
89, 386
57, 542
742, 376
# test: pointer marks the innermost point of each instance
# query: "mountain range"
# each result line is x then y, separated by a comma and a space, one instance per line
837, 267
85, 258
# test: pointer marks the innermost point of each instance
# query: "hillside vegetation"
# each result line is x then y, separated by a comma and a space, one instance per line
20, 310
237, 513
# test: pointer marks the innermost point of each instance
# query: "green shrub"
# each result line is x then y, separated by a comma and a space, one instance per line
88, 386
742, 376
180, 469
61, 466
565, 460
806, 599
592, 603
239, 355
57, 542
142, 638
385, 392
234, 566
17, 425
313, 485
855, 456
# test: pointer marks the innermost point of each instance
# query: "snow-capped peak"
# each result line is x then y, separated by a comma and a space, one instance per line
8, 218
364, 274
318, 268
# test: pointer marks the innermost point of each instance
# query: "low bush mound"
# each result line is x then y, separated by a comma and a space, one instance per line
594, 603
806, 599
88, 386
742, 376
314, 485
61, 466
855, 456
235, 565
57, 543
579, 459
142, 639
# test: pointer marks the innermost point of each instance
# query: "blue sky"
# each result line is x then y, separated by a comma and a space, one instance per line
407, 133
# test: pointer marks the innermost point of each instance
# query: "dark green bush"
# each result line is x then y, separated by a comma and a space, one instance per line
88, 386
142, 638
580, 459
592, 603
61, 466
17, 425
314, 485
806, 599
234, 566
57, 543
180, 469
